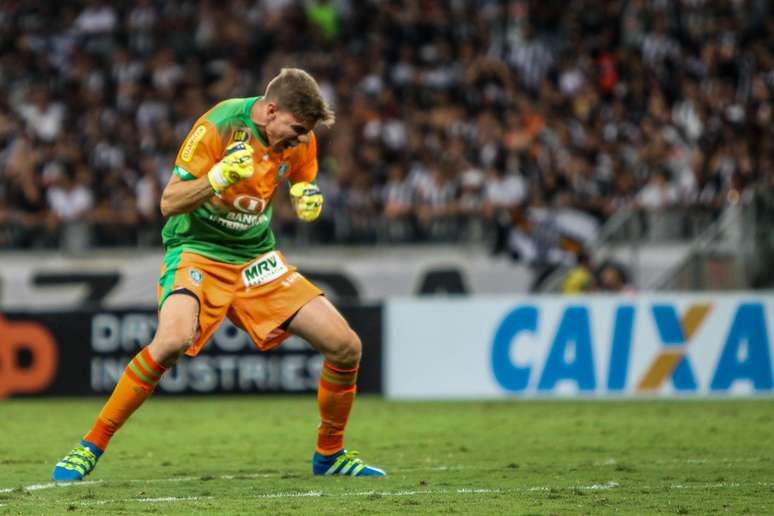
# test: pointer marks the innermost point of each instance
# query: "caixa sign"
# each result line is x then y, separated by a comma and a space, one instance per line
653, 345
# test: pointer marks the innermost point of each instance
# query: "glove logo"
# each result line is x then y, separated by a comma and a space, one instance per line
241, 135
193, 141
307, 200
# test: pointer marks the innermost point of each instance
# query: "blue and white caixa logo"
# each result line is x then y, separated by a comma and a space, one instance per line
617, 347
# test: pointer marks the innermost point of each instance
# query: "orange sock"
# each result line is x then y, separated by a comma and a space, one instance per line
335, 396
134, 387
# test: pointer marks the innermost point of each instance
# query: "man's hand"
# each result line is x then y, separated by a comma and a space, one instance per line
307, 200
236, 166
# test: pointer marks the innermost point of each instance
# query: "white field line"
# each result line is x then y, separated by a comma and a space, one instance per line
160, 499
49, 485
594, 487
718, 485
245, 476
248, 476
605, 462
600, 487
86, 483
299, 494
303, 494
291, 494
419, 492
721, 460
724, 460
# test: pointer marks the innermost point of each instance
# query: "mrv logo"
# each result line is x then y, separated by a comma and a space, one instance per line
265, 269
744, 349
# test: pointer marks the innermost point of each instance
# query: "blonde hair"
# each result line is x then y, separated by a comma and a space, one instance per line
297, 92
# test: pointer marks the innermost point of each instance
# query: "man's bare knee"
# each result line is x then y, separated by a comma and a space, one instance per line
178, 323
167, 349
171, 341
346, 352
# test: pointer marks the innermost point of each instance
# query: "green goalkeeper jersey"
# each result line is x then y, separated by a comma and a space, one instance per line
234, 226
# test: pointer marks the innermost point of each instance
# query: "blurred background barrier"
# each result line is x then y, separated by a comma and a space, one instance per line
668, 345
85, 352
678, 248
350, 275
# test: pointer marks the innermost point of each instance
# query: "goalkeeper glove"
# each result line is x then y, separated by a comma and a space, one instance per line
236, 166
307, 200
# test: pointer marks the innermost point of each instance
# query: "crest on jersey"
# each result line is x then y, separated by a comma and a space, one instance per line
241, 135
282, 169
196, 275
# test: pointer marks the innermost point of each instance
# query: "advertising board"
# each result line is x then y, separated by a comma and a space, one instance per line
85, 352
652, 345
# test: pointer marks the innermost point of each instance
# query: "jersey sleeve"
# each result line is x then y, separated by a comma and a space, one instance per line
199, 152
304, 164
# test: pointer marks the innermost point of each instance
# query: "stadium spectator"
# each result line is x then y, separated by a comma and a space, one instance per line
580, 278
398, 199
611, 277
24, 214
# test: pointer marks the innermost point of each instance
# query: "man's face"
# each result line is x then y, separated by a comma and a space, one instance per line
284, 130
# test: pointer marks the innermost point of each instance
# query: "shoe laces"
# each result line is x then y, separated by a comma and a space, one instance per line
83, 452
349, 456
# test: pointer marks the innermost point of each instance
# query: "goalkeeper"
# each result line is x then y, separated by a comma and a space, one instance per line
221, 262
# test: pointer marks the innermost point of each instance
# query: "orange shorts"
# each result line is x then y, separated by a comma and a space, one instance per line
258, 296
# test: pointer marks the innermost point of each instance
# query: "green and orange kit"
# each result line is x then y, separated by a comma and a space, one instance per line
233, 227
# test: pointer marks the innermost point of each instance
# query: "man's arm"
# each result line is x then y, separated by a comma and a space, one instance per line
183, 196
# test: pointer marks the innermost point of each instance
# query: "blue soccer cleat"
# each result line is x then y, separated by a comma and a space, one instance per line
343, 463
76, 464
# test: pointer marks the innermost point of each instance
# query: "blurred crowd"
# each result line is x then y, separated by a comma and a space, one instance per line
523, 123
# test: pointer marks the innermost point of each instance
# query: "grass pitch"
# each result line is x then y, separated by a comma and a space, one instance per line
251, 454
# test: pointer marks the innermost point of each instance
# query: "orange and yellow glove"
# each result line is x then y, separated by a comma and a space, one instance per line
307, 200
236, 166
